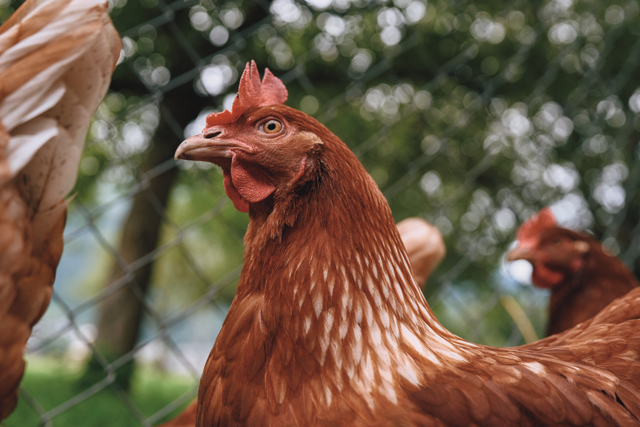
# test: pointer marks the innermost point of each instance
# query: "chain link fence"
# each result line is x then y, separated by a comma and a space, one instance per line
469, 116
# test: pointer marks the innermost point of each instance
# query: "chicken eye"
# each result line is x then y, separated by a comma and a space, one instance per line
272, 126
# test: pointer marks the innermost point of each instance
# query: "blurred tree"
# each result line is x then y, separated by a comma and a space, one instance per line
121, 312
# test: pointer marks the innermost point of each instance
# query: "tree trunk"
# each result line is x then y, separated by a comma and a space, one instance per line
121, 313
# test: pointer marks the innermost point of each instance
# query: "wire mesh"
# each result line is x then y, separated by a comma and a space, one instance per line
470, 117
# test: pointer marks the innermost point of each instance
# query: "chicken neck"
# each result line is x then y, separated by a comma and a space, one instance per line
329, 288
588, 290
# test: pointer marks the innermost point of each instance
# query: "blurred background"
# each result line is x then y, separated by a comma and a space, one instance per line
470, 114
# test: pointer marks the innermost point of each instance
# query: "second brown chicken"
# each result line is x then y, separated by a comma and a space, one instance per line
582, 276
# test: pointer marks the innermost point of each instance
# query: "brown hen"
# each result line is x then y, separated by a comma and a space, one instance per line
425, 249
582, 276
328, 326
56, 60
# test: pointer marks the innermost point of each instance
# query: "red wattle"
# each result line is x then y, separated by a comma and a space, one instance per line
238, 202
544, 277
250, 182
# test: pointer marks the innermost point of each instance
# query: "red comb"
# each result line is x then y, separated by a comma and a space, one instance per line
251, 93
529, 232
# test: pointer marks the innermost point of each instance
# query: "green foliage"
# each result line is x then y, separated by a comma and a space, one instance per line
214, 245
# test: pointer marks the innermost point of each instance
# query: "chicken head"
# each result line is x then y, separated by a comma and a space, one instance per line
555, 253
263, 151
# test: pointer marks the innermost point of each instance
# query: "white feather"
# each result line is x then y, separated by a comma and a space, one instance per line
22, 147
46, 105
31, 100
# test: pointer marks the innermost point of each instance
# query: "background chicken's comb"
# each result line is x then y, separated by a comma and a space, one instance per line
529, 232
252, 93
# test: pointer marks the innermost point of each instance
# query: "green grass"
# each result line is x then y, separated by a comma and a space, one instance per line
52, 382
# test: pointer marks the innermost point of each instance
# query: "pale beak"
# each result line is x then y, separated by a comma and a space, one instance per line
520, 253
207, 147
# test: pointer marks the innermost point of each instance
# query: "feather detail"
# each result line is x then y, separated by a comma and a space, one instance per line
56, 60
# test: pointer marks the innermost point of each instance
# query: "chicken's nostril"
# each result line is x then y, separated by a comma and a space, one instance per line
212, 135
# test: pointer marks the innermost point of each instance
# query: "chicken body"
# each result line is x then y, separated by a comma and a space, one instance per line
329, 328
582, 276
56, 60
425, 249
